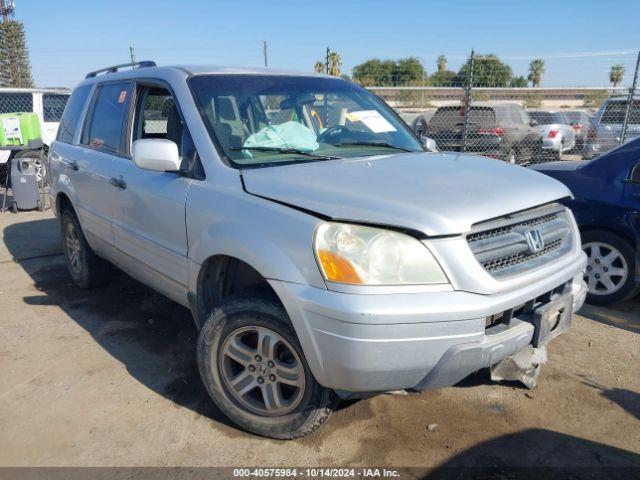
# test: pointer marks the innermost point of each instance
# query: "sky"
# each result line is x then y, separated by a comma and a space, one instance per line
579, 40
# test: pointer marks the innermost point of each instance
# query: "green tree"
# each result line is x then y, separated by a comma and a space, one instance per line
335, 62
518, 82
536, 69
616, 74
488, 71
445, 78
15, 69
406, 71
319, 67
442, 63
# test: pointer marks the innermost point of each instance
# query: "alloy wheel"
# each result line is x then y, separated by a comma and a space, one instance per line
262, 371
72, 243
607, 269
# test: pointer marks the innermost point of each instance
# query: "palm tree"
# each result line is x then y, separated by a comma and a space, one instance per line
616, 74
442, 63
319, 67
335, 62
536, 69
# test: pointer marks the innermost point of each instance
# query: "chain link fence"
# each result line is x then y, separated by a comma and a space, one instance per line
483, 109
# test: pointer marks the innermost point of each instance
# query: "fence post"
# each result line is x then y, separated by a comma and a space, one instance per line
632, 91
467, 102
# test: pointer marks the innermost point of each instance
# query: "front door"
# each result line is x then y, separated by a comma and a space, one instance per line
149, 207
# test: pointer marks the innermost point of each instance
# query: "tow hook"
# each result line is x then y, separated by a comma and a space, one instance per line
523, 366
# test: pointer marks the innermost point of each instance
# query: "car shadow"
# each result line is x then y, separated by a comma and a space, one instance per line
622, 315
536, 454
152, 336
625, 399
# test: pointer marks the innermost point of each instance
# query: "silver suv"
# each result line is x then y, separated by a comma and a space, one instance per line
322, 252
605, 131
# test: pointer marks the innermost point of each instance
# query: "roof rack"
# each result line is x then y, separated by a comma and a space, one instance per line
115, 68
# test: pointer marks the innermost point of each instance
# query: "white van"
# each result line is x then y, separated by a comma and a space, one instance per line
47, 103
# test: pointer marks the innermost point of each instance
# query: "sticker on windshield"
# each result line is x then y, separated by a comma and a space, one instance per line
372, 119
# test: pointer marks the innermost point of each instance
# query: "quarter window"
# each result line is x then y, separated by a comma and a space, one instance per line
105, 126
71, 115
635, 174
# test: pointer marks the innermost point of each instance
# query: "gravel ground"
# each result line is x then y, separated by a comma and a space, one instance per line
108, 378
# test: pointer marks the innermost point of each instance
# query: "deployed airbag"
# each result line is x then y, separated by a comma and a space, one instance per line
291, 134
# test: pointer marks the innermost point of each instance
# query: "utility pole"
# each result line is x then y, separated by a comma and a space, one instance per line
132, 52
632, 92
7, 10
467, 101
326, 62
264, 52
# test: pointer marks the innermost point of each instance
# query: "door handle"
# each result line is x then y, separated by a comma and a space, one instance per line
118, 182
73, 165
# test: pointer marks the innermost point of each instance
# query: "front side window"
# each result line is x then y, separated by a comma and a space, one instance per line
72, 112
260, 120
104, 129
53, 105
157, 116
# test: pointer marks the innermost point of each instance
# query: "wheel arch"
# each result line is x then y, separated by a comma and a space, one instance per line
221, 276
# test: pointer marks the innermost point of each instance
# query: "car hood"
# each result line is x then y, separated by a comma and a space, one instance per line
433, 193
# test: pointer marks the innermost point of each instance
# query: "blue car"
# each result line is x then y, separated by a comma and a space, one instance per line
607, 209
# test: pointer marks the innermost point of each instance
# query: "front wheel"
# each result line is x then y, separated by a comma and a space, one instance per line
610, 268
253, 367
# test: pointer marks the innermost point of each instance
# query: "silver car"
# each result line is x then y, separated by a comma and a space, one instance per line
322, 252
605, 131
558, 136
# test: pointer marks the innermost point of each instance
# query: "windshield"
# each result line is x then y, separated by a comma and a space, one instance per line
262, 120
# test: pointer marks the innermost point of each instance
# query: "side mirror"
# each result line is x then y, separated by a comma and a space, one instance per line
533, 123
429, 144
156, 154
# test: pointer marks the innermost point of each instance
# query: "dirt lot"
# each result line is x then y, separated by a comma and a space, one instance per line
108, 378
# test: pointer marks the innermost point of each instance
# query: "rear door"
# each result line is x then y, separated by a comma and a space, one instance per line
149, 207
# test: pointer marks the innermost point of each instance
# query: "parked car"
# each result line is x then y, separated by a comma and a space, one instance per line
580, 120
607, 208
558, 135
605, 131
502, 130
48, 104
317, 261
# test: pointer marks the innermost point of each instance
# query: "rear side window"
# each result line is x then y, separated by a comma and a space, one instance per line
71, 115
16, 102
615, 111
52, 106
104, 128
449, 117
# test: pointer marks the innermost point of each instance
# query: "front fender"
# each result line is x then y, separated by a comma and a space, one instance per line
275, 240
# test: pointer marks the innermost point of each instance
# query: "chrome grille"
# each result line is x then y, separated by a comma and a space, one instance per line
501, 246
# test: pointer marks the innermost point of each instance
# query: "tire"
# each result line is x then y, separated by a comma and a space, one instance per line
607, 251
38, 162
242, 321
86, 269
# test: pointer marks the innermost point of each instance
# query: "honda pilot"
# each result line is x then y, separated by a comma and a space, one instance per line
322, 252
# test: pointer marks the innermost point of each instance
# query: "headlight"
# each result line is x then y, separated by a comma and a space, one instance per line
372, 256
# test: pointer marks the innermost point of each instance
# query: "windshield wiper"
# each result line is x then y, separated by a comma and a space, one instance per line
288, 150
374, 144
